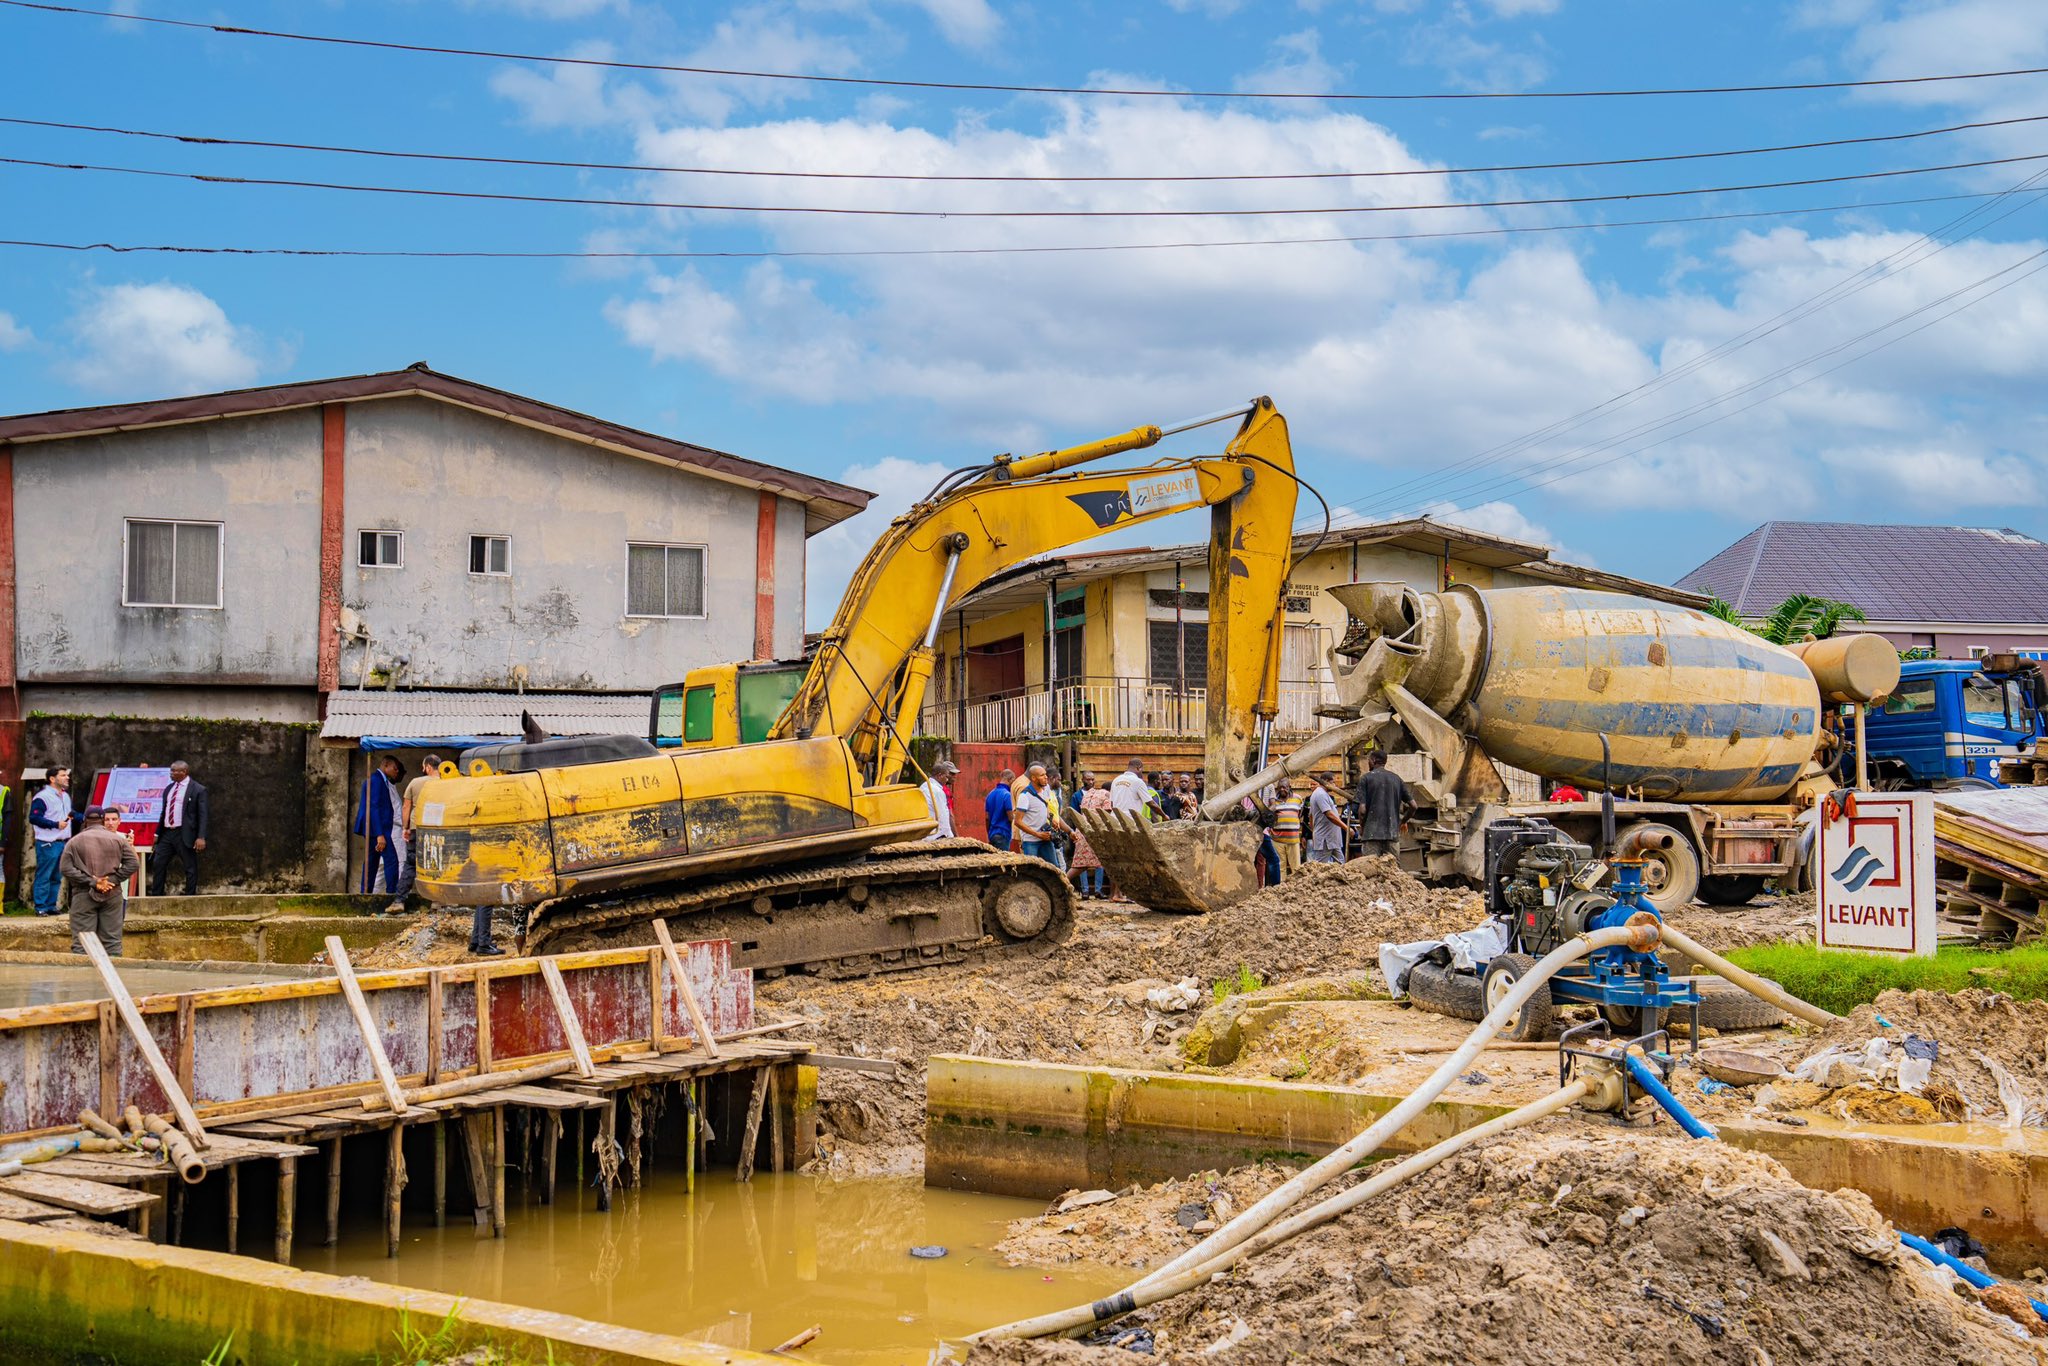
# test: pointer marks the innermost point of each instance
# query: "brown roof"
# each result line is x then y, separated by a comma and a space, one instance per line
826, 502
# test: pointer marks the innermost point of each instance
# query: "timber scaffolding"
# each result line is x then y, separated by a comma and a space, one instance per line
355, 1070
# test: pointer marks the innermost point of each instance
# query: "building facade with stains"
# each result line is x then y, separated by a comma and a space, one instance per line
245, 557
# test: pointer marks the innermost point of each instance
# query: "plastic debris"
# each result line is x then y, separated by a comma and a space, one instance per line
929, 1252
1710, 1087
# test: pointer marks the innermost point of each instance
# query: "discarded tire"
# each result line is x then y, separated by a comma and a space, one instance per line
1723, 1005
1446, 991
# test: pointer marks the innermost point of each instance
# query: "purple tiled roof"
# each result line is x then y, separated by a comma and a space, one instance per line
1894, 573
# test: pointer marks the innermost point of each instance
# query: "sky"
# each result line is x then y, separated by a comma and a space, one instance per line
1637, 395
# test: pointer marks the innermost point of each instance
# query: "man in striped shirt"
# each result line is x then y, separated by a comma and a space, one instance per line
1286, 830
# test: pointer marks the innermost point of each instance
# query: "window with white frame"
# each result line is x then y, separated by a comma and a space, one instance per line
490, 554
170, 564
664, 580
381, 549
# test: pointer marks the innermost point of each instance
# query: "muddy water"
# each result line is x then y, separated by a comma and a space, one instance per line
31, 984
745, 1266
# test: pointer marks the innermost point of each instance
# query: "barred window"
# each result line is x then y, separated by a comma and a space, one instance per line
664, 580
171, 564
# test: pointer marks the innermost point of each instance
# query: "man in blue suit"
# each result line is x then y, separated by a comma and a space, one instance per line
376, 817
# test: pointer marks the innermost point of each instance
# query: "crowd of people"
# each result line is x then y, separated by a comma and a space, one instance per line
1317, 819
84, 859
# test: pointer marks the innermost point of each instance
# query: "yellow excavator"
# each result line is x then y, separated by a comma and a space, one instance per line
801, 838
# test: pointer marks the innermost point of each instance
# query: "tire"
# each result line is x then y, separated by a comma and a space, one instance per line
1536, 1016
1731, 889
1446, 991
1632, 1022
1723, 1005
1671, 877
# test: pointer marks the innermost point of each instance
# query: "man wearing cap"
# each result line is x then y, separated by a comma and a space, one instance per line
97, 863
937, 800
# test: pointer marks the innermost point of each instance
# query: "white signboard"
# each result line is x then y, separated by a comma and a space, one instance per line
1165, 492
1875, 872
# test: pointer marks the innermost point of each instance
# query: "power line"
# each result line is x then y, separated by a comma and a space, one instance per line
857, 212
406, 154
774, 254
391, 45
1420, 486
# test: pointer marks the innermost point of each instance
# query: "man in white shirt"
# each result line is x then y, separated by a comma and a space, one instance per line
936, 800
1128, 791
1037, 818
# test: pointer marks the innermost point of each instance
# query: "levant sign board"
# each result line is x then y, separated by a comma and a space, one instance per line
1875, 872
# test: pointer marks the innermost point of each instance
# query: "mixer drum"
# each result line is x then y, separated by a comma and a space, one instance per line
1696, 709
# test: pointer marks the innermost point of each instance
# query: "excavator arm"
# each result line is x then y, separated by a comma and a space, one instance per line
868, 679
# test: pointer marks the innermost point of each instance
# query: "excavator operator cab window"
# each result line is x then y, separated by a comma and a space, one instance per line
665, 725
697, 710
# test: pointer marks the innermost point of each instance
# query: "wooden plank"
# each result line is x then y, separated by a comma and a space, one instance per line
543, 1098
187, 1017
883, 1067
654, 999
110, 1058
69, 1192
435, 983
145, 1042
752, 1134
572, 1028
705, 1040
27, 1211
483, 1017
337, 954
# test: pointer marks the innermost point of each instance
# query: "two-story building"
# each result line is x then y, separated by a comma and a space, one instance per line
1099, 658
404, 554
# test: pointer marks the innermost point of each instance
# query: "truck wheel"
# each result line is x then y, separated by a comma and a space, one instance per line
1671, 877
1533, 1020
1446, 991
1731, 889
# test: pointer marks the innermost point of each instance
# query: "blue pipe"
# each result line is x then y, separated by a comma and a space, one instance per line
1960, 1267
1645, 1076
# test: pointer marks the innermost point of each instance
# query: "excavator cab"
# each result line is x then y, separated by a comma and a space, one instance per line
723, 705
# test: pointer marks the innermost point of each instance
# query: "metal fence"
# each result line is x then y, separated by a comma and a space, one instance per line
1107, 706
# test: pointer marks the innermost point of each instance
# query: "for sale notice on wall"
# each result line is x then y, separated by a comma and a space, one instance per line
1874, 867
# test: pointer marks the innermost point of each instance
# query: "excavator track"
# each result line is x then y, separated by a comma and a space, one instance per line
897, 907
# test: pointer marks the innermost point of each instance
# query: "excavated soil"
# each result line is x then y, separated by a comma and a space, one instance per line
1138, 1226
1966, 1026
429, 939
1565, 1243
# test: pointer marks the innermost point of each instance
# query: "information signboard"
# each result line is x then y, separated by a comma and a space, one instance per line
139, 793
1874, 867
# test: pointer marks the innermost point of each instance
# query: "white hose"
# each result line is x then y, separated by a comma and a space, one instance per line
1748, 981
1082, 1317
1641, 937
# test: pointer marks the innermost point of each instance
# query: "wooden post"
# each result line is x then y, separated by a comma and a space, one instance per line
434, 985
110, 1059
675, 964
579, 1150
607, 1135
572, 1029
287, 1202
548, 1146
497, 1171
441, 1173
656, 1013
188, 1021
752, 1133
775, 1118
145, 1042
337, 954
483, 1018
479, 1171
160, 1226
234, 1202
178, 1215
690, 1136
333, 1191
394, 1185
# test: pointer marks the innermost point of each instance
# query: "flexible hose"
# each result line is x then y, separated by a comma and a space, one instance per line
1961, 1268
1640, 937
1645, 1076
1082, 1317
1748, 981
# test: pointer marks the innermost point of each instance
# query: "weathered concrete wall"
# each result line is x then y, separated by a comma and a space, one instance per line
66, 1295
441, 474
260, 476
299, 705
272, 790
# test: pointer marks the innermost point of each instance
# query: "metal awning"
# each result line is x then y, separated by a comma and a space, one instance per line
413, 720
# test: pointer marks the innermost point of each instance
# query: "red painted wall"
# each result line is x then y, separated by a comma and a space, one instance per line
979, 765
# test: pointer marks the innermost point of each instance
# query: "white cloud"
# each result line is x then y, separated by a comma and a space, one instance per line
1953, 477
1295, 66
160, 338
552, 9
833, 554
13, 336
1499, 518
1515, 9
964, 23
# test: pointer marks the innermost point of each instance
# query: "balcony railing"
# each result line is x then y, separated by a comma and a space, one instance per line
1107, 706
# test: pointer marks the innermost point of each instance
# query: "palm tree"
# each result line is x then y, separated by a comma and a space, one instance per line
1799, 617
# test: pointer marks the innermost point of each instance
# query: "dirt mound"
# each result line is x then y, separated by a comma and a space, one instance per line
1139, 1225
1567, 1243
429, 939
1967, 1026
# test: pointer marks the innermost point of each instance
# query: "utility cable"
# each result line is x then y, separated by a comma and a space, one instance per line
404, 154
797, 254
392, 45
859, 212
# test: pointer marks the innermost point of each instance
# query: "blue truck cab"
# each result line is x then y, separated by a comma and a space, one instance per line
1951, 722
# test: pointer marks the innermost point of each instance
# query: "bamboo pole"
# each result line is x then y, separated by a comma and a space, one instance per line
572, 1028
675, 963
480, 1081
337, 954
145, 1042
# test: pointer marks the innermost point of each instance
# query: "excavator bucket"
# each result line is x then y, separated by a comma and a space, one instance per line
1186, 867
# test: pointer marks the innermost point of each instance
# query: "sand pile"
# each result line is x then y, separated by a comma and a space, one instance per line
430, 939
1967, 1027
1570, 1243
1138, 1226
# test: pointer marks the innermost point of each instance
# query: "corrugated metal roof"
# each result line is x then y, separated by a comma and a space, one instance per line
435, 716
1954, 574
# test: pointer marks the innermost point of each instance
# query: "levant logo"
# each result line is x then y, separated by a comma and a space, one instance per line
1856, 869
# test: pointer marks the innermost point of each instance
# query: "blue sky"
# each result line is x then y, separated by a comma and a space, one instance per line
1419, 375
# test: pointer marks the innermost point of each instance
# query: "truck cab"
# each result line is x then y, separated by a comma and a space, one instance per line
723, 705
1955, 722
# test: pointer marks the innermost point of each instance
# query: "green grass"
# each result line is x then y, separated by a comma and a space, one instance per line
1842, 981
1241, 983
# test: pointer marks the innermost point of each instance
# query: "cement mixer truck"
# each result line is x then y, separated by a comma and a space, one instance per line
1716, 740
